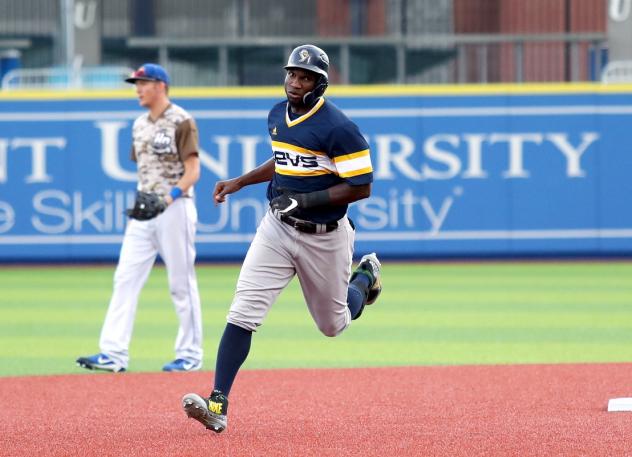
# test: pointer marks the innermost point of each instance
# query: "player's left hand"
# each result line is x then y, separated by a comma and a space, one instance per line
286, 203
147, 206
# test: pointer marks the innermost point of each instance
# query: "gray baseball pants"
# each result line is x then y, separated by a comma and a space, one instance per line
322, 263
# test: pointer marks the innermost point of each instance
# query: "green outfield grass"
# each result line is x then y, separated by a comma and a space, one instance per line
428, 314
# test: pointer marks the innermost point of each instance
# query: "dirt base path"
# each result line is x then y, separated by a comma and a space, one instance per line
407, 411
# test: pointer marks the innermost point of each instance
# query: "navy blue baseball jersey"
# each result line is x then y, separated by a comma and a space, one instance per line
316, 151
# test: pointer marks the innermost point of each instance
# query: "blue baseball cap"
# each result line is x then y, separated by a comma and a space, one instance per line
149, 72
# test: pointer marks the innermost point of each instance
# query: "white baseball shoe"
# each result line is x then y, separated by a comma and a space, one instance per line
371, 266
210, 412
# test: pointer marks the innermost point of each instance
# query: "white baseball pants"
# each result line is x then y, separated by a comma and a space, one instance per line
172, 235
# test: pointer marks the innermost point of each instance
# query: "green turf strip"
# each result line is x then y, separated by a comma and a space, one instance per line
433, 313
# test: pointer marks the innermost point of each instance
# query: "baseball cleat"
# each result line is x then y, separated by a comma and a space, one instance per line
182, 365
371, 266
209, 412
100, 362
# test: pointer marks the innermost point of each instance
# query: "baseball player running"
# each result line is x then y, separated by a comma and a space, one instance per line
163, 221
320, 164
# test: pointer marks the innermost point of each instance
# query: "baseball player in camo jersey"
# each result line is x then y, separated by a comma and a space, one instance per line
163, 221
320, 164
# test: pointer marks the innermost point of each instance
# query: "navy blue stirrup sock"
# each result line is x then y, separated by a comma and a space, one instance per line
231, 354
357, 293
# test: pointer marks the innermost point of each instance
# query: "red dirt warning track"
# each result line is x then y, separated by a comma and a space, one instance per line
524, 410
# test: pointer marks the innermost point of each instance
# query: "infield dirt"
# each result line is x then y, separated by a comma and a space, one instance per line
513, 410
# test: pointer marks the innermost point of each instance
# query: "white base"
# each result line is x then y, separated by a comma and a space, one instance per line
620, 404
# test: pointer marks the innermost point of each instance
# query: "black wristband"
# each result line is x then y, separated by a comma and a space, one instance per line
310, 199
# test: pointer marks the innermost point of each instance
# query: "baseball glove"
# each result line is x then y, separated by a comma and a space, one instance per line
147, 206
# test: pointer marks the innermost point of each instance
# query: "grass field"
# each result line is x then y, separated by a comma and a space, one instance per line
428, 314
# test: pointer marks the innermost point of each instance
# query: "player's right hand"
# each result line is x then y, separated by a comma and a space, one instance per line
224, 188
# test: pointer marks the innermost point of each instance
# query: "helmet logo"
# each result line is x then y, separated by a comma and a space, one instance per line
304, 56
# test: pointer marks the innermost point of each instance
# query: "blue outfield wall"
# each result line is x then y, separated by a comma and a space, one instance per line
497, 171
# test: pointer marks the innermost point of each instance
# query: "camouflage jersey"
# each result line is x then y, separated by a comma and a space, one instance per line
160, 148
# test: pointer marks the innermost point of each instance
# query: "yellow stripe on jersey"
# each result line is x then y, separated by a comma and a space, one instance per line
350, 174
352, 156
290, 147
288, 172
305, 116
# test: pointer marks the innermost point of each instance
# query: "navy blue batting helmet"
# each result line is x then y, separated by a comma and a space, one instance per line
311, 58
